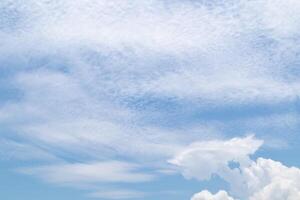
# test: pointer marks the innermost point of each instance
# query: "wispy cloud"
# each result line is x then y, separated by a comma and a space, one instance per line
107, 171
11, 150
118, 194
102, 81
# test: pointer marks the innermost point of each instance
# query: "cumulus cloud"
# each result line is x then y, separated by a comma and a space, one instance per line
261, 179
268, 179
214, 156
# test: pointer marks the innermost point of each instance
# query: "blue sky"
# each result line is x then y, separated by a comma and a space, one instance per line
151, 99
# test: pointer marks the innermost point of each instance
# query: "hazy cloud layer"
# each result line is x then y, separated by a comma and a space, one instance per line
124, 86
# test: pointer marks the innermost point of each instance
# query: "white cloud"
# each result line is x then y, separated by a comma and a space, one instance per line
280, 18
85, 173
226, 86
214, 156
95, 28
268, 179
57, 112
206, 195
193, 34
83, 68
262, 179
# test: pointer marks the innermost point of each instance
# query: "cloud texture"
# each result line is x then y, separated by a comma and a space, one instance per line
122, 86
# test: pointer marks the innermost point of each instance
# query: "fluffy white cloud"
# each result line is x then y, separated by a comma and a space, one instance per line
263, 179
214, 157
267, 179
